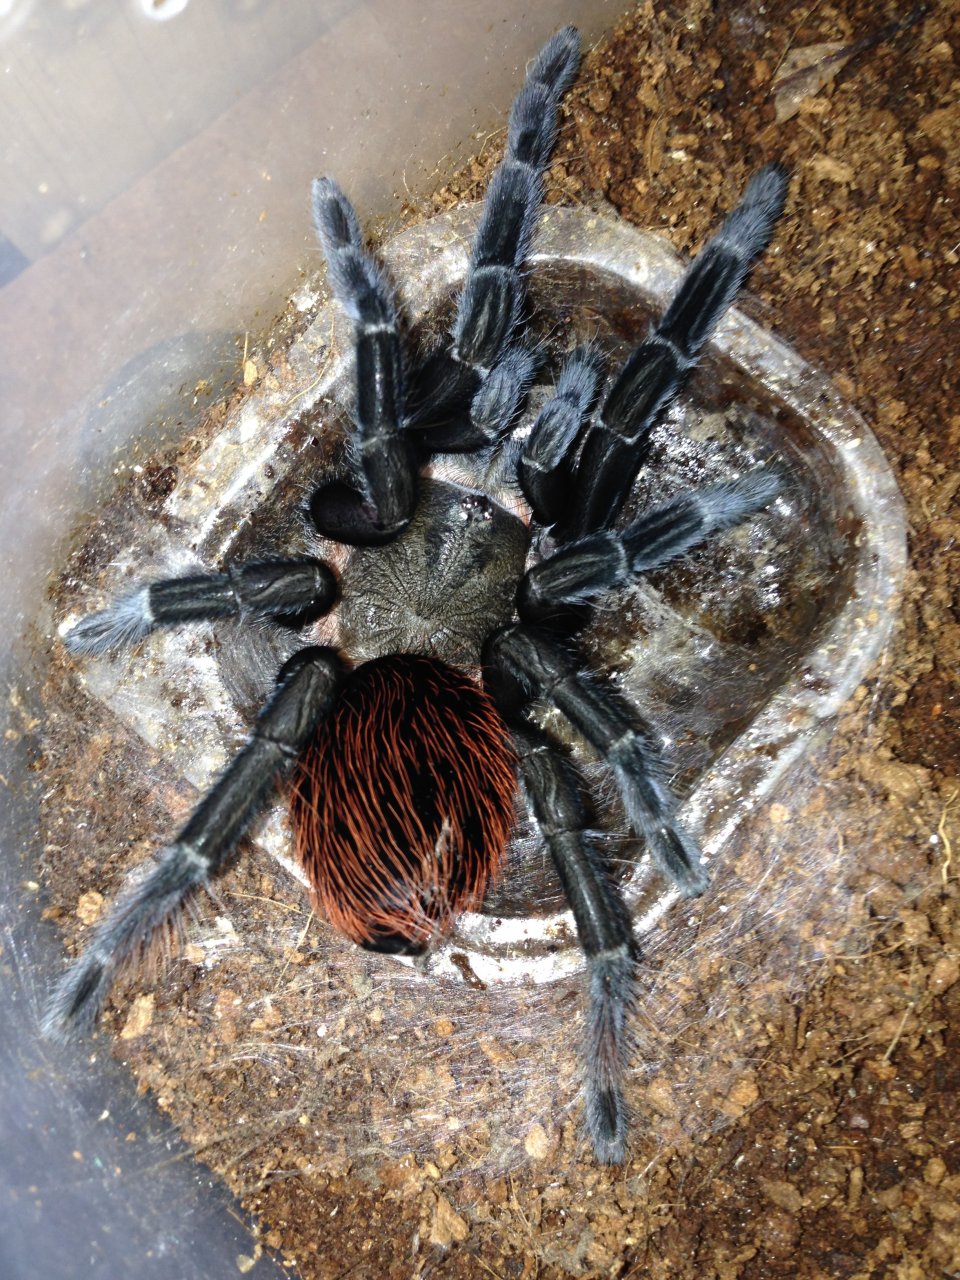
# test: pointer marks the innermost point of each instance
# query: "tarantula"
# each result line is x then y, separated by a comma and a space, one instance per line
458, 610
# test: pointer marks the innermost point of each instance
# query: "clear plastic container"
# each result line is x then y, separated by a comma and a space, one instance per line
742, 656
743, 660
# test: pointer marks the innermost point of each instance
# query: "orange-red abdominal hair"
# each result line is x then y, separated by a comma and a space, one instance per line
403, 802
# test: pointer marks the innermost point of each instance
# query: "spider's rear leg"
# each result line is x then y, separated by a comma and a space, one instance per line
292, 589
449, 388
306, 689
604, 461
603, 927
382, 507
522, 655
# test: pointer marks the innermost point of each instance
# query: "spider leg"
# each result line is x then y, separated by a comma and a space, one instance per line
387, 461
603, 926
450, 406
604, 461
293, 589
306, 688
519, 654
482, 418
542, 469
604, 561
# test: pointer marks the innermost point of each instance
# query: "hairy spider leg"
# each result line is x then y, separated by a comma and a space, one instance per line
465, 396
385, 457
292, 589
573, 575
576, 573
402, 802
306, 689
543, 465
579, 571
592, 481
522, 664
603, 927
521, 653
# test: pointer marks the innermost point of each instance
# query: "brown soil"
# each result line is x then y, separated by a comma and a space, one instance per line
804, 1120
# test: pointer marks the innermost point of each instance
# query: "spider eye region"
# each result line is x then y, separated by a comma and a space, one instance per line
402, 802
474, 506
441, 587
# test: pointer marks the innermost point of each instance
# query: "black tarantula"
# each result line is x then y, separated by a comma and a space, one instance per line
402, 762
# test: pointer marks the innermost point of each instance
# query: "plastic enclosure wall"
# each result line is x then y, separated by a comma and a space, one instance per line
155, 207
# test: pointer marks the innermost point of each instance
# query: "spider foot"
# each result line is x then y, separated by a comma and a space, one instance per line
612, 986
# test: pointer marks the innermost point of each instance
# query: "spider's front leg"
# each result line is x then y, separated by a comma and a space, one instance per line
464, 396
589, 473
306, 688
387, 462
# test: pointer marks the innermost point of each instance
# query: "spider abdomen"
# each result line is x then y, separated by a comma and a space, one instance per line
403, 801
